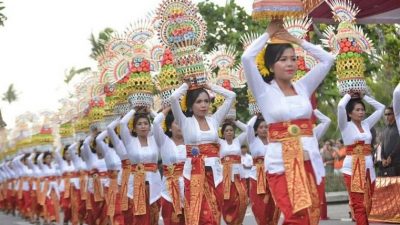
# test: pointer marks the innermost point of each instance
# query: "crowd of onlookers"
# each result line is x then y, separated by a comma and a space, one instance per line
386, 149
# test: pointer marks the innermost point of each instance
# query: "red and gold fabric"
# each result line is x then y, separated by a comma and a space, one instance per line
289, 134
112, 194
385, 200
258, 162
43, 193
279, 190
150, 218
52, 207
98, 192
358, 151
360, 202
227, 162
173, 173
83, 184
168, 214
139, 186
206, 210
126, 171
67, 182
263, 205
234, 208
199, 186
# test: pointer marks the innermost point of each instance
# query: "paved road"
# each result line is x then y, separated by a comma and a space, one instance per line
338, 215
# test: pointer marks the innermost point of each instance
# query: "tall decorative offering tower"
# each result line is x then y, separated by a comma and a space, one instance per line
168, 79
183, 30
348, 43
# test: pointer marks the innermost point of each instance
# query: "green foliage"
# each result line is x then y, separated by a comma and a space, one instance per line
225, 25
98, 45
72, 72
10, 95
2, 16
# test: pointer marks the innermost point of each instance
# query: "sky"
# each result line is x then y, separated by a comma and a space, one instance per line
42, 39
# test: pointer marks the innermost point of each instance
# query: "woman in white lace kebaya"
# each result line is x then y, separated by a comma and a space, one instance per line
290, 155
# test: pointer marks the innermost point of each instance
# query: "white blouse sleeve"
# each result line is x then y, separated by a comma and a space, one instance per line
253, 76
396, 105
40, 160
118, 145
159, 134
100, 142
242, 137
230, 96
377, 115
58, 158
316, 75
175, 105
87, 152
323, 126
124, 129
250, 130
342, 114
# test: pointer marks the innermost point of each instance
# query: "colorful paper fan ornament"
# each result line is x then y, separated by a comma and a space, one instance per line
140, 31
118, 46
110, 101
298, 27
97, 106
248, 38
278, 9
348, 44
223, 58
183, 30
168, 79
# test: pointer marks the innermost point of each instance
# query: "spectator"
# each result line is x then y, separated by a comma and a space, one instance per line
339, 155
327, 153
390, 147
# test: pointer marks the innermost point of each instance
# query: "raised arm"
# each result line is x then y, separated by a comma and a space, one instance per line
342, 114
396, 105
323, 126
58, 158
176, 106
253, 76
74, 155
230, 96
124, 129
242, 136
40, 161
317, 74
117, 143
100, 142
159, 135
377, 115
250, 130
89, 157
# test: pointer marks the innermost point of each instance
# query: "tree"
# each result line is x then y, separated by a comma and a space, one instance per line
2, 16
98, 44
225, 25
72, 72
10, 95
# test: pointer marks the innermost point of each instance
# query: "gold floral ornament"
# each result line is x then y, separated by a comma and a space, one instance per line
183, 103
260, 62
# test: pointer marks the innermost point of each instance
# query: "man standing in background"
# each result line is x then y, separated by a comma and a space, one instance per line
390, 153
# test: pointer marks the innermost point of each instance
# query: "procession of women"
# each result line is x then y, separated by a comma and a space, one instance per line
154, 132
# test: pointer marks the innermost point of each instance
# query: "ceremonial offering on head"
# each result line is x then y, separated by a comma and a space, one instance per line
348, 42
183, 30
278, 9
